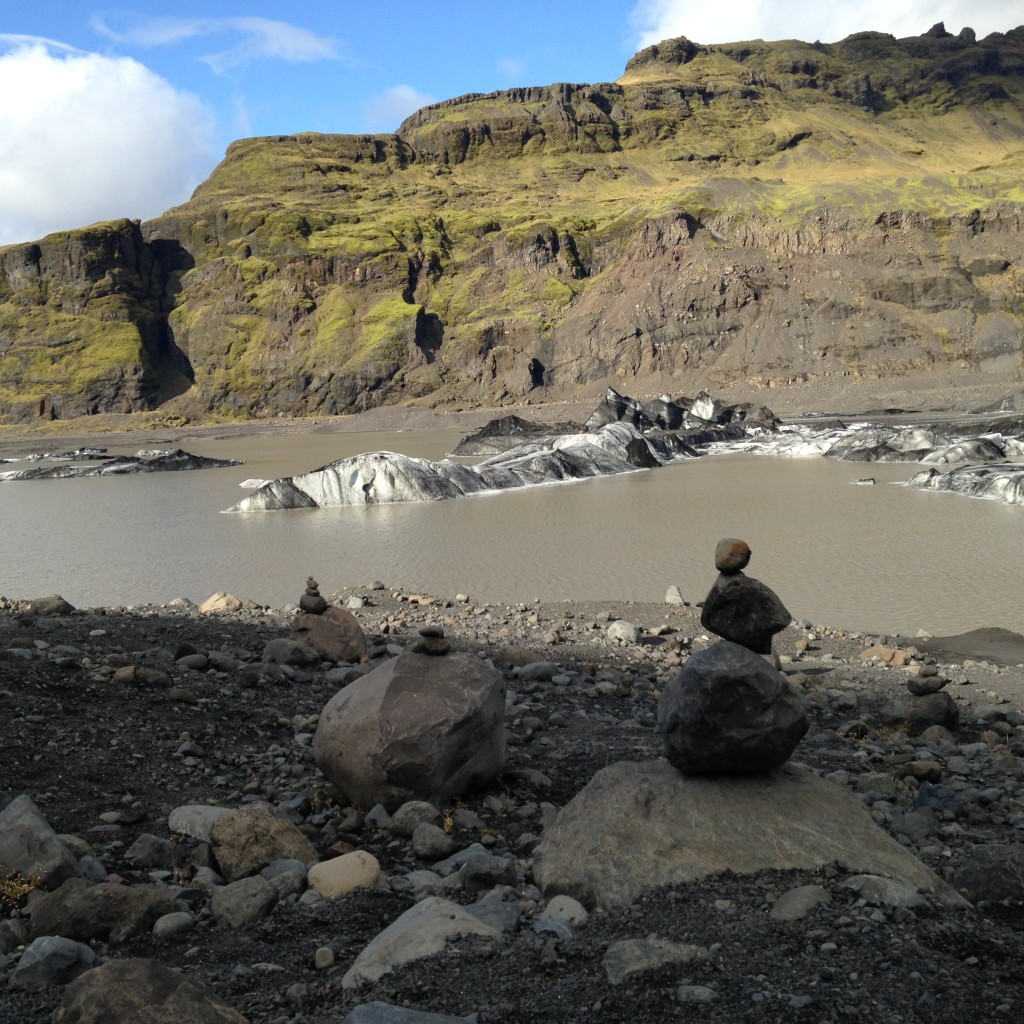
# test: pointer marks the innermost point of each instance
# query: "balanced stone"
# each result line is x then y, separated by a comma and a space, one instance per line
731, 555
745, 611
729, 711
311, 601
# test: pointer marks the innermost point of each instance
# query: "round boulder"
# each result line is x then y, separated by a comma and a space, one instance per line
913, 714
729, 711
731, 555
334, 633
416, 728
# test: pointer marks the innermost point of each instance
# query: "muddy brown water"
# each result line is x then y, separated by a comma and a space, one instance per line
872, 558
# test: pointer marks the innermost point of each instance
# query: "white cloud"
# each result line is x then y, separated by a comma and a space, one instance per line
384, 111
655, 20
84, 137
261, 38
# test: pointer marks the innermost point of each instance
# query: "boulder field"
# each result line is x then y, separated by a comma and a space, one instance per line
172, 849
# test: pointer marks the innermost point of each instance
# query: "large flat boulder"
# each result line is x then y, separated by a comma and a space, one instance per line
419, 727
637, 826
141, 992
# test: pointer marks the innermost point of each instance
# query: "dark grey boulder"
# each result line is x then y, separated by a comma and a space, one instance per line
745, 611
386, 1013
729, 711
913, 713
286, 651
52, 960
29, 846
993, 872
83, 911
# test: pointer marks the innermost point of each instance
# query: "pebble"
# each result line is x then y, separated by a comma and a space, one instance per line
177, 923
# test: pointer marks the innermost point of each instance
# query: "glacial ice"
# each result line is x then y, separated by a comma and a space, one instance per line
388, 477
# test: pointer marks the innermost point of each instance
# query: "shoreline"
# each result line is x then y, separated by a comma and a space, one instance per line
918, 398
374, 420
992, 645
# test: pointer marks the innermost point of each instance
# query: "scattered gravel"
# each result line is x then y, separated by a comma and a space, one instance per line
111, 719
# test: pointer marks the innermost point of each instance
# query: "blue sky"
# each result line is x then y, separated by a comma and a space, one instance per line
122, 111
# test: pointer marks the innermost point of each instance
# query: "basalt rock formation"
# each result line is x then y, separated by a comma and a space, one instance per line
751, 214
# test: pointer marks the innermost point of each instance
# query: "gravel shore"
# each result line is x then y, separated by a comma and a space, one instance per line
112, 718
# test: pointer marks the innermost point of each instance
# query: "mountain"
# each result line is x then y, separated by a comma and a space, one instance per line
752, 214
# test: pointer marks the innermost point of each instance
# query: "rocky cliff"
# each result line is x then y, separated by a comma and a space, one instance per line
755, 213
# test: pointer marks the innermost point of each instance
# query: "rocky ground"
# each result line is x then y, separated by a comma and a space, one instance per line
112, 718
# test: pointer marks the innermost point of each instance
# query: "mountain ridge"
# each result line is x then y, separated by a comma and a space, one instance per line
756, 214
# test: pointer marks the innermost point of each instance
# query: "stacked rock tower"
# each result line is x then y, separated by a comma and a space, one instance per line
730, 710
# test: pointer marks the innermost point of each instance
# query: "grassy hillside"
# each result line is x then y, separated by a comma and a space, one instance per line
693, 216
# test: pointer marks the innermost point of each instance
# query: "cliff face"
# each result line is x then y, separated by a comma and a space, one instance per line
83, 324
755, 212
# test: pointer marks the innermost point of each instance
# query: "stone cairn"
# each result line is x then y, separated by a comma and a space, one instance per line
925, 702
333, 632
311, 601
730, 710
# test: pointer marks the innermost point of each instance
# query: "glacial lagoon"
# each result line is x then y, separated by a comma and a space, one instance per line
871, 558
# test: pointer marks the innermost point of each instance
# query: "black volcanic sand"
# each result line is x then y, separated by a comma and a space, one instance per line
82, 745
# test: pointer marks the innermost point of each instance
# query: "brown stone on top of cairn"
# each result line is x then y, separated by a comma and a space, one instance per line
731, 555
311, 601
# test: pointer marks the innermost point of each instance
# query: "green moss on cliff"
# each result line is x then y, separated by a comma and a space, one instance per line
313, 258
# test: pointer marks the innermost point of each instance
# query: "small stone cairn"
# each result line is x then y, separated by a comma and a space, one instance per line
311, 601
925, 702
730, 710
332, 631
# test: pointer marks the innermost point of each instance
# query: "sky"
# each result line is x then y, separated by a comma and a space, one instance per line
122, 111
